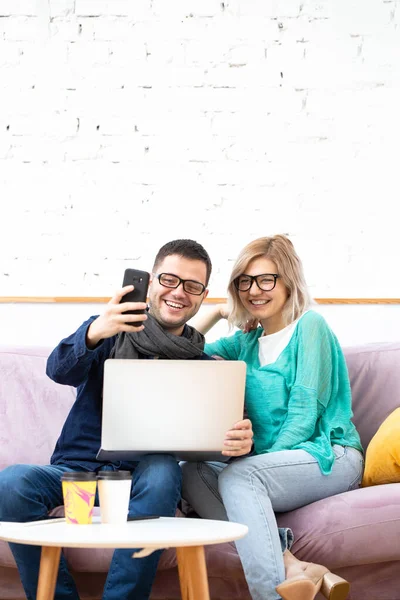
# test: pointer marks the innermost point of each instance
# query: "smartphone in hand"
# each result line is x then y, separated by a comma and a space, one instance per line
140, 281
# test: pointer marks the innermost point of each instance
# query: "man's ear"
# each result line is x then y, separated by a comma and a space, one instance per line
205, 295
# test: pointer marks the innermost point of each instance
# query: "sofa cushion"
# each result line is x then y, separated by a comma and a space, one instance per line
375, 383
382, 461
357, 527
32, 409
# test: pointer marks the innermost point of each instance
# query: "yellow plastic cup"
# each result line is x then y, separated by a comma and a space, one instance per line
79, 491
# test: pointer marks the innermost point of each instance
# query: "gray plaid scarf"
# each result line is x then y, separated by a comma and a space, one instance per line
153, 340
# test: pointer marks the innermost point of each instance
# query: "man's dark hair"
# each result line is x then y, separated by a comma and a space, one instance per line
187, 249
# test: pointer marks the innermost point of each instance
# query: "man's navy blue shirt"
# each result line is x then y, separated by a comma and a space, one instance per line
73, 363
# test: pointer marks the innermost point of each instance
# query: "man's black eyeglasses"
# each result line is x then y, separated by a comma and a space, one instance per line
266, 282
169, 280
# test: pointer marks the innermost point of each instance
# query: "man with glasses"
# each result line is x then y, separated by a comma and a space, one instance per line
178, 287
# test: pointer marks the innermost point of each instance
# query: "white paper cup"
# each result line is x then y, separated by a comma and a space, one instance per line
114, 494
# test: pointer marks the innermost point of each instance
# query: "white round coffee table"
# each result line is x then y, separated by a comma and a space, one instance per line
188, 536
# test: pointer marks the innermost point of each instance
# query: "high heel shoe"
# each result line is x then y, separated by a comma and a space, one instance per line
306, 585
334, 587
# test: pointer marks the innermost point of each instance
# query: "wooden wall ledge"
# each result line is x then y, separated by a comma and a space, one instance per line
102, 299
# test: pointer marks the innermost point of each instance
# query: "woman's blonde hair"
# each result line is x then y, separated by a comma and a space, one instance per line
280, 250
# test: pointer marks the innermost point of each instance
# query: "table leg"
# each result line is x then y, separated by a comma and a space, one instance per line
49, 563
192, 573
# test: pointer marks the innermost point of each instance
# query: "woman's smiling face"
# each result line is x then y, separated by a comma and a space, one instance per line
266, 307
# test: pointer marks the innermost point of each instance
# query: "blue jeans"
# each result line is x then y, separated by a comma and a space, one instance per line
251, 489
29, 492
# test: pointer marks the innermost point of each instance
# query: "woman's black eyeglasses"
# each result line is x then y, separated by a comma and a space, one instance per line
265, 282
169, 280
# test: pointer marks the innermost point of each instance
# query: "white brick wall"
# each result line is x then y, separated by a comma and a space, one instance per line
126, 123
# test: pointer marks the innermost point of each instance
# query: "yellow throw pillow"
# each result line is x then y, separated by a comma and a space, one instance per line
382, 460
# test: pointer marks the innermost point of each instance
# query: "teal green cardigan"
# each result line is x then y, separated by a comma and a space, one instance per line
303, 399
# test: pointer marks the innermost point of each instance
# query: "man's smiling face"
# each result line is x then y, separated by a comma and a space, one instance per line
174, 307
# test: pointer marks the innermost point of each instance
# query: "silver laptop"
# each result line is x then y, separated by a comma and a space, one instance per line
179, 407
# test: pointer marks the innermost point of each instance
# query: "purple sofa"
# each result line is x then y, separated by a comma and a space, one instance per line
356, 534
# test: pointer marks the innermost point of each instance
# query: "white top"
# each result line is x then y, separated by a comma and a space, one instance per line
164, 532
273, 344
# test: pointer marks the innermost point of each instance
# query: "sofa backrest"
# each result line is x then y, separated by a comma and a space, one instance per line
33, 408
374, 371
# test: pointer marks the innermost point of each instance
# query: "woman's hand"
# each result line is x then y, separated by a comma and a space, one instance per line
223, 310
239, 440
209, 317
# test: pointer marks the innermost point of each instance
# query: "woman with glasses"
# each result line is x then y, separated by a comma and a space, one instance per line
299, 401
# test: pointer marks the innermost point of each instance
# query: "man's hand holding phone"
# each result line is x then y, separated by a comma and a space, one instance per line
114, 320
